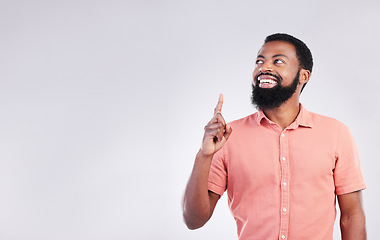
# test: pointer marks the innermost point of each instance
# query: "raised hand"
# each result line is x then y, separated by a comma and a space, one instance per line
216, 131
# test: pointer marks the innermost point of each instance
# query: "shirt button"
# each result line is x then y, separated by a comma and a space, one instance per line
283, 158
282, 135
283, 237
284, 184
284, 210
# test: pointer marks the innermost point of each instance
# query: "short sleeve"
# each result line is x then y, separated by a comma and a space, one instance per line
348, 176
217, 180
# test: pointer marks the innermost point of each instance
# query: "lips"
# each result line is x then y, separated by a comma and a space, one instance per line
267, 81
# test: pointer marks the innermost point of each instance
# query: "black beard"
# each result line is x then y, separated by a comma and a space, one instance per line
269, 98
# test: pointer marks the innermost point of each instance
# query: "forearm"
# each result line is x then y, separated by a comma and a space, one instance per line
196, 202
353, 226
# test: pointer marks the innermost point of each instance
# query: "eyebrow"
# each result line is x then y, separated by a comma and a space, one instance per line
277, 55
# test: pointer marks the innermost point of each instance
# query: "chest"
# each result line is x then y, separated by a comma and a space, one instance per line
266, 158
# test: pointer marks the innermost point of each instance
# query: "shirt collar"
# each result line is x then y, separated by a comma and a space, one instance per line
303, 118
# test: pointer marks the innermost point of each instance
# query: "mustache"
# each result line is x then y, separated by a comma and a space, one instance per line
278, 78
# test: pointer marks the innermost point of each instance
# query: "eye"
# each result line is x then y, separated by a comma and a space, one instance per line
259, 61
278, 61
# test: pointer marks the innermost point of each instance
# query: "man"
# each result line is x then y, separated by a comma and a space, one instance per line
282, 166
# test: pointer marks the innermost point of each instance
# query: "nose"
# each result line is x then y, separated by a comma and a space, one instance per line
266, 67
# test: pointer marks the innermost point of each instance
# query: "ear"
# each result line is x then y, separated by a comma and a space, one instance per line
304, 75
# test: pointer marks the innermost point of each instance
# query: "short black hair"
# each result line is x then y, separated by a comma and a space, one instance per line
303, 53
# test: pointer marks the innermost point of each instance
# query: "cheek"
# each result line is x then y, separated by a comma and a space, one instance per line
254, 78
255, 73
287, 74
288, 78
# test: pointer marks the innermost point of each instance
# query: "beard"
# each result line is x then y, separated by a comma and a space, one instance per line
269, 98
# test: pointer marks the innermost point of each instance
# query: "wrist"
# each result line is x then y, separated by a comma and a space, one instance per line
204, 155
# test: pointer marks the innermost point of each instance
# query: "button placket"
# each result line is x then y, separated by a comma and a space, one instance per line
284, 163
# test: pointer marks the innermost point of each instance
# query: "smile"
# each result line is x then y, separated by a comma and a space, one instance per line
267, 81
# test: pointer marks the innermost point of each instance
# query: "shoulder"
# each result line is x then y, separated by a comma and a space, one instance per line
244, 122
328, 126
325, 121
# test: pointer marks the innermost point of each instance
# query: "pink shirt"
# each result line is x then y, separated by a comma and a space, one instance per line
282, 184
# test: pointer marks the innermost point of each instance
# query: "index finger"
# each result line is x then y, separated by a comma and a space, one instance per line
218, 107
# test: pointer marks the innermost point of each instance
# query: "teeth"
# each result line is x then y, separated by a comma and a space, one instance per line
268, 81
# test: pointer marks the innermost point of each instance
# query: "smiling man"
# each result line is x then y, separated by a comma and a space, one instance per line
283, 166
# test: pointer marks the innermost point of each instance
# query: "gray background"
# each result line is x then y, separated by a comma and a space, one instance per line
103, 104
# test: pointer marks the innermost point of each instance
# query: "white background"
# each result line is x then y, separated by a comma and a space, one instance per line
103, 104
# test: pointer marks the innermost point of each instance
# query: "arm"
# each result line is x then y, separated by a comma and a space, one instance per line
352, 220
198, 201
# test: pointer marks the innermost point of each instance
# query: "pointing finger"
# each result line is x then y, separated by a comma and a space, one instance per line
218, 107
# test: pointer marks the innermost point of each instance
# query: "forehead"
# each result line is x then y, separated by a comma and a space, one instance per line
276, 48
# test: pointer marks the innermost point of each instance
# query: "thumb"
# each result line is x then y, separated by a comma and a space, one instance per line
227, 132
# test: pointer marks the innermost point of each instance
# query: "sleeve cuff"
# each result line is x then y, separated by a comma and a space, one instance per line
350, 189
215, 188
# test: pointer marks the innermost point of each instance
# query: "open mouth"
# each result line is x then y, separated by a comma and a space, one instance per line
267, 81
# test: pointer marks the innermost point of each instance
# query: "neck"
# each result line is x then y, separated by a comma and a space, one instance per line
285, 114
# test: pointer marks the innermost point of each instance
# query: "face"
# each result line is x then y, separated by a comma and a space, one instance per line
269, 98
277, 75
